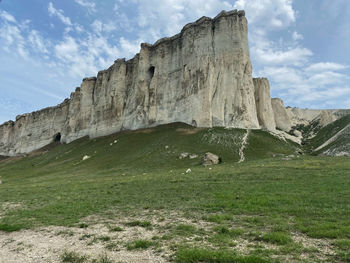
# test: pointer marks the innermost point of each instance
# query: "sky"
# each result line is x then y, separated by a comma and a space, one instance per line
48, 46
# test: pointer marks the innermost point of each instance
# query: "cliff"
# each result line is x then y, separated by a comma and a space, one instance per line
201, 76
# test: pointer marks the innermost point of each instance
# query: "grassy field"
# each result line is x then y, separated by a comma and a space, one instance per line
293, 209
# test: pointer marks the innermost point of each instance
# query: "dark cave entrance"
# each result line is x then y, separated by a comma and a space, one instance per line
57, 137
151, 71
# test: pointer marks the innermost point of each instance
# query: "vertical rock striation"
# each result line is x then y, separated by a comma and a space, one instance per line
263, 104
282, 119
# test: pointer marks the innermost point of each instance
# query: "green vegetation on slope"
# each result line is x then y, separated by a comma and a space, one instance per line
326, 133
267, 197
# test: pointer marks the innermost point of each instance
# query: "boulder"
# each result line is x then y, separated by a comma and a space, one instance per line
210, 159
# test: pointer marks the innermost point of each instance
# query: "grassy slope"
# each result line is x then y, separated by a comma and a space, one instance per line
328, 132
57, 188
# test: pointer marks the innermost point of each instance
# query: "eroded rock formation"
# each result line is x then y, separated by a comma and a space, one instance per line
201, 76
282, 118
263, 104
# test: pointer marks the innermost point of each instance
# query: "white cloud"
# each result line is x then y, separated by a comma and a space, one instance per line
322, 66
159, 18
270, 56
129, 48
269, 14
6, 16
296, 36
90, 5
60, 14
38, 42
12, 37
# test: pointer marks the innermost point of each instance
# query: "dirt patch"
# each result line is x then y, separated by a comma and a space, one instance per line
189, 131
111, 233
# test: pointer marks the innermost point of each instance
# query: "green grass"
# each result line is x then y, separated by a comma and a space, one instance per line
278, 238
328, 132
308, 194
194, 255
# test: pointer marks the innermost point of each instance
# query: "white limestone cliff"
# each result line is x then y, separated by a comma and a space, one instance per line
201, 76
263, 104
282, 118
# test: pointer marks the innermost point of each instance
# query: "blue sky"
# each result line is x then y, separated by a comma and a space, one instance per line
48, 46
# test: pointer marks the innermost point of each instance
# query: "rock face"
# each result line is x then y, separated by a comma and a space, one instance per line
201, 76
282, 119
263, 104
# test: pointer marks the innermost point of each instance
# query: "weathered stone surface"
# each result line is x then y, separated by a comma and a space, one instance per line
263, 104
210, 159
282, 119
201, 76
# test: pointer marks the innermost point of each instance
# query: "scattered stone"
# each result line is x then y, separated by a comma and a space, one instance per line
183, 155
193, 156
210, 159
297, 133
111, 144
86, 157
115, 141
188, 171
166, 147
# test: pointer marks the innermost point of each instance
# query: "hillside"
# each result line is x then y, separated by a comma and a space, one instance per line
132, 200
333, 139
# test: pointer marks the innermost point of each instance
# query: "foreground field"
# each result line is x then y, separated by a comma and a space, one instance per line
132, 201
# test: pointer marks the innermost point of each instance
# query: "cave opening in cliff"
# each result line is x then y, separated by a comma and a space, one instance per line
57, 137
151, 71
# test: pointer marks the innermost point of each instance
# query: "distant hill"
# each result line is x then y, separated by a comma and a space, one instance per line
332, 140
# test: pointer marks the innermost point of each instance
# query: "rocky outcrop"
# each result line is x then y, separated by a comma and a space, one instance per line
263, 104
282, 119
201, 76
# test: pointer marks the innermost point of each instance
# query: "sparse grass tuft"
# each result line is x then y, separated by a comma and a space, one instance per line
140, 244
72, 257
278, 238
116, 229
144, 224
102, 259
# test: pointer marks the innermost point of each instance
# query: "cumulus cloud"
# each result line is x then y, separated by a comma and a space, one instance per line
269, 14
